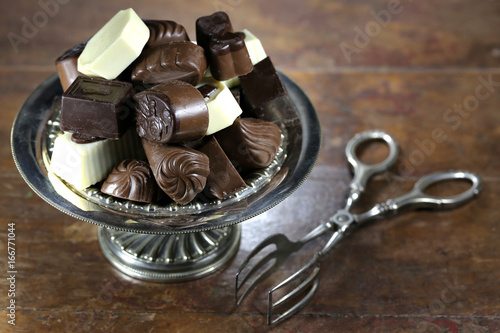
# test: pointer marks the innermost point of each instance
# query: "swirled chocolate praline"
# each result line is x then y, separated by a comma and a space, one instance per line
250, 143
180, 172
165, 31
170, 113
131, 180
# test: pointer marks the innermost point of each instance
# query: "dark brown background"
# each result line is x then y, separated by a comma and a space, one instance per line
423, 271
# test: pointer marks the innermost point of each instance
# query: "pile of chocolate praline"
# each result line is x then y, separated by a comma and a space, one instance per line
148, 115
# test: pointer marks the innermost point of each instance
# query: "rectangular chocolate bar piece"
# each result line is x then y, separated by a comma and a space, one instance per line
223, 179
264, 94
97, 107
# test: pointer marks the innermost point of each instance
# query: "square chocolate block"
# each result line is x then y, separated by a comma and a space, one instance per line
97, 107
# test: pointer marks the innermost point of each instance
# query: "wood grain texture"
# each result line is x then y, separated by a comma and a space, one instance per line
429, 74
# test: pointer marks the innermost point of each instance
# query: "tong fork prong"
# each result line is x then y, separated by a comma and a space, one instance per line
284, 248
261, 277
279, 240
310, 281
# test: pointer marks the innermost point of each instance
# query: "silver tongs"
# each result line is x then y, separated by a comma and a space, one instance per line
306, 280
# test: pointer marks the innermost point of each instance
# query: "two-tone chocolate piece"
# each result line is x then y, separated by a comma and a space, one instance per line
217, 24
171, 112
229, 56
131, 180
97, 107
183, 61
164, 32
67, 65
250, 143
180, 172
223, 179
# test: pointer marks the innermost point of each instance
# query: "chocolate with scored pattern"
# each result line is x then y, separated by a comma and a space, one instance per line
97, 107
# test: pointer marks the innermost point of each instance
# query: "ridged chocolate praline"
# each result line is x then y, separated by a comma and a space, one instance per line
131, 180
164, 31
183, 61
180, 172
250, 143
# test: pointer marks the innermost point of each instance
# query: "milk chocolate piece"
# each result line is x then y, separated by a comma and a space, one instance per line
250, 143
131, 180
179, 171
97, 107
223, 179
229, 56
231, 83
163, 32
67, 65
208, 26
265, 95
183, 61
171, 112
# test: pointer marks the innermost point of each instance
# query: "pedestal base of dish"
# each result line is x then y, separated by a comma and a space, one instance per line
169, 258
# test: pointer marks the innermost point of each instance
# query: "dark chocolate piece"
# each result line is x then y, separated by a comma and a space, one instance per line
236, 91
67, 65
250, 143
206, 90
223, 179
264, 94
208, 26
84, 138
97, 107
131, 180
183, 61
229, 56
171, 112
179, 171
163, 32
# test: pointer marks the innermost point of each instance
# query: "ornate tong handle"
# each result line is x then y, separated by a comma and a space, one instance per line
363, 172
416, 198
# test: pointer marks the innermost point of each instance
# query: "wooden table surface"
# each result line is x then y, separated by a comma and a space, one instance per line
427, 72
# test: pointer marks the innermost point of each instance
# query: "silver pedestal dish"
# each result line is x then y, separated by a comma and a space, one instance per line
164, 243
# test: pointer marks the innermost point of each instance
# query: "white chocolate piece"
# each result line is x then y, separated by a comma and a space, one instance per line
67, 193
232, 82
113, 48
254, 47
223, 108
82, 165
